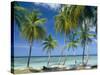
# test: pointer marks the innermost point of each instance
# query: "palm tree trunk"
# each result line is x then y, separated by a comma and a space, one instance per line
66, 54
83, 55
62, 54
64, 60
87, 56
60, 57
74, 53
48, 59
84, 43
29, 57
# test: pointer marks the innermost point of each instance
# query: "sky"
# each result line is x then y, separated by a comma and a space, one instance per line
49, 11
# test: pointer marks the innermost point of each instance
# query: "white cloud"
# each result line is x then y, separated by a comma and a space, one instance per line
50, 5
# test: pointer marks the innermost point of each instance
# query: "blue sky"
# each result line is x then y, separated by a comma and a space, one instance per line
21, 46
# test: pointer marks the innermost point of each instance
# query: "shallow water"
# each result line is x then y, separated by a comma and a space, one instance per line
38, 62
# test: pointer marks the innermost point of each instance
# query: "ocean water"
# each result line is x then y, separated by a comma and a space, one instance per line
39, 62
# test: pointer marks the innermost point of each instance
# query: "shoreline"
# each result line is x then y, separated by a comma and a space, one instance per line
47, 56
51, 69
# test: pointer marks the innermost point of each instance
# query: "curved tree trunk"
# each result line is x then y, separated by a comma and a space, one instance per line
87, 55
66, 54
60, 57
62, 54
64, 60
84, 43
83, 55
74, 53
48, 59
29, 57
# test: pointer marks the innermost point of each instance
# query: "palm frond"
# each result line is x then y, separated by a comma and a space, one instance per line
49, 44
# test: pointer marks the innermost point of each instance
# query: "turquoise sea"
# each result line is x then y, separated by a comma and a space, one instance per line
39, 62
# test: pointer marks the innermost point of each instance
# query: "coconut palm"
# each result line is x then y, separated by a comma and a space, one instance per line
66, 21
33, 30
63, 27
86, 17
73, 16
73, 45
19, 14
73, 42
85, 39
49, 45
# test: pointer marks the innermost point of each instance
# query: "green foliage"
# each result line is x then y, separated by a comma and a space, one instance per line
49, 44
19, 14
85, 36
32, 29
73, 41
72, 44
67, 19
72, 16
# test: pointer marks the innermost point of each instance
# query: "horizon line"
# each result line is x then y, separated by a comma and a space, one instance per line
55, 55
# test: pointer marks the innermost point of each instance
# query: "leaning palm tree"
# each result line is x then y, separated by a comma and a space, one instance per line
49, 44
33, 30
19, 14
73, 45
73, 42
62, 26
71, 16
86, 18
91, 36
85, 39
66, 21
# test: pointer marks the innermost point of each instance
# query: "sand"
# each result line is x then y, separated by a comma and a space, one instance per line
50, 69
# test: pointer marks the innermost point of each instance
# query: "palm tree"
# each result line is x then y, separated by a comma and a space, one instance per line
49, 44
66, 21
86, 18
19, 14
73, 42
85, 39
33, 30
90, 36
72, 17
73, 45
62, 26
